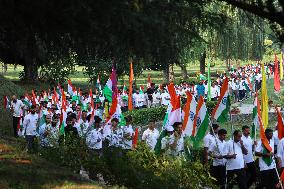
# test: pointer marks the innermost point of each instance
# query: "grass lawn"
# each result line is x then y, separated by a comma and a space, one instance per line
277, 99
80, 78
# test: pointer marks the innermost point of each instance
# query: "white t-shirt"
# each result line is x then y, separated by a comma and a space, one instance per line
217, 150
275, 137
127, 144
280, 151
30, 124
234, 148
94, 139
214, 92
208, 140
262, 165
242, 85
164, 97
169, 140
156, 98
17, 107
82, 127
248, 143
53, 135
150, 137
116, 137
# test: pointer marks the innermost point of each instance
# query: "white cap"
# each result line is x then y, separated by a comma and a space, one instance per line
69, 110
169, 128
57, 112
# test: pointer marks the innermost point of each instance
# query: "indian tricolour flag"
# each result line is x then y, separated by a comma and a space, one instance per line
220, 113
107, 91
189, 114
98, 84
6, 102
200, 123
26, 102
173, 113
115, 112
71, 88
63, 114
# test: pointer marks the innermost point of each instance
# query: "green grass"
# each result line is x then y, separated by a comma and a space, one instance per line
20, 170
156, 76
277, 99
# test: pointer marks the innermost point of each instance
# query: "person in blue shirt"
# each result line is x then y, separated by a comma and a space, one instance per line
200, 89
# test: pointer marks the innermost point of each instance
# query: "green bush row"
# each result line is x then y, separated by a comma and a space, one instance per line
143, 116
137, 169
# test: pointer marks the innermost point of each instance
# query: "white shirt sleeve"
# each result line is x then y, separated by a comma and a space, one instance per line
258, 147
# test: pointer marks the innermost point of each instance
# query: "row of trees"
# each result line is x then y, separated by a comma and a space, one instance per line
53, 36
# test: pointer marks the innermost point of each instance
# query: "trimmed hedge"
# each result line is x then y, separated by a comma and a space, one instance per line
143, 116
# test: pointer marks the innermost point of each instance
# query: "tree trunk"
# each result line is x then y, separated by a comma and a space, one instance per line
31, 70
30, 60
183, 72
202, 62
166, 73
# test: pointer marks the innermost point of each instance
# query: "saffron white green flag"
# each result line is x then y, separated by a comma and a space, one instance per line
189, 114
173, 113
107, 91
70, 87
115, 112
200, 123
221, 111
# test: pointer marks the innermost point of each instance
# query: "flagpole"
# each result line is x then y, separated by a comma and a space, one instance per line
273, 158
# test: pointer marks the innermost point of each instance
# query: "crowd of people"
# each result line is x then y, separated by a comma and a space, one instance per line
243, 81
40, 116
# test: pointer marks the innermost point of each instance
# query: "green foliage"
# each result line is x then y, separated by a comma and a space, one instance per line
143, 116
210, 106
192, 80
58, 69
139, 168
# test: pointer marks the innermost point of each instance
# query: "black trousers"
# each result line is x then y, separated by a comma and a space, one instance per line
241, 178
219, 173
251, 173
268, 179
15, 126
31, 143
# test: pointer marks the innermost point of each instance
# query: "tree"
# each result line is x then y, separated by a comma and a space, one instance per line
272, 10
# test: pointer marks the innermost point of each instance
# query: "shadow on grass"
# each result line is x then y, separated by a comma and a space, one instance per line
21, 170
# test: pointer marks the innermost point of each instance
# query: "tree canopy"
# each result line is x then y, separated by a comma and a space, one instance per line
152, 32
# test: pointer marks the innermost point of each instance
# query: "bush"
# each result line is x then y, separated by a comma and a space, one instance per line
142, 116
138, 169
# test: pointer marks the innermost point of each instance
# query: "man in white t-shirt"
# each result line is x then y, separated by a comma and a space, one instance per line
268, 175
165, 98
235, 151
17, 110
249, 160
150, 135
29, 128
156, 99
217, 152
128, 134
214, 92
208, 140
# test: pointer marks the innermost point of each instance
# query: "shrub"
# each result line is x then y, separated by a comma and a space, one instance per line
138, 169
142, 116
